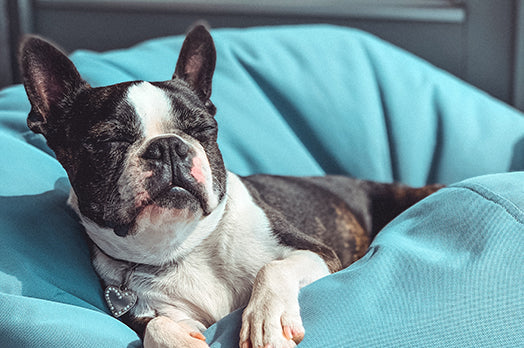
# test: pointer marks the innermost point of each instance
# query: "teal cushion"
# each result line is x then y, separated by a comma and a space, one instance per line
449, 278
303, 100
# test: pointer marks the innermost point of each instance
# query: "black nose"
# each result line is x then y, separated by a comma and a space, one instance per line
164, 149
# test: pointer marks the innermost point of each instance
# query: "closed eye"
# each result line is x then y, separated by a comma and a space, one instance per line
111, 132
119, 141
93, 144
201, 129
202, 132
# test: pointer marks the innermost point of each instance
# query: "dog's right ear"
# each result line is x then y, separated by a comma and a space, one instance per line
50, 80
196, 63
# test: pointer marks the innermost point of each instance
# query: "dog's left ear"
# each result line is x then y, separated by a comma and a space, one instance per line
196, 63
50, 80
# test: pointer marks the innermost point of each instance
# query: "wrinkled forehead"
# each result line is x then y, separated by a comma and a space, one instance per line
149, 108
153, 108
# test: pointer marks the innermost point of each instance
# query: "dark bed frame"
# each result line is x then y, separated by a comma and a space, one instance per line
479, 41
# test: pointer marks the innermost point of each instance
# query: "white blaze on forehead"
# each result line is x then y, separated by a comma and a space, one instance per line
152, 106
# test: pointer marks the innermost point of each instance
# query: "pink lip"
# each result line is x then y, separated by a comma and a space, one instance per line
196, 170
158, 215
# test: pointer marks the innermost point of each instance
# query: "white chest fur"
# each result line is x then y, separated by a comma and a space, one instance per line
213, 279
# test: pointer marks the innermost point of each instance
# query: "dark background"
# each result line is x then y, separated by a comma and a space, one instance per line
480, 41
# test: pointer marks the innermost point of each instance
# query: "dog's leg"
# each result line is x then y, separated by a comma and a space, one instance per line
272, 317
162, 332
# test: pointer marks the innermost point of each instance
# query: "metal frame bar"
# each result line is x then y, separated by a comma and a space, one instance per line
518, 66
428, 11
6, 71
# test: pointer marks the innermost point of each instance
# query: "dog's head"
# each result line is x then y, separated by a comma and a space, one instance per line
141, 157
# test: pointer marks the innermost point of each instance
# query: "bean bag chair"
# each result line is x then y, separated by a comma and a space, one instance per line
302, 100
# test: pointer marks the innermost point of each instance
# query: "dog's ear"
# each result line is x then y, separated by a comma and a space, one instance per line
50, 80
196, 62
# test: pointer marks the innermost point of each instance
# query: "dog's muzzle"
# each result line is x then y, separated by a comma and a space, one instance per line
171, 159
172, 183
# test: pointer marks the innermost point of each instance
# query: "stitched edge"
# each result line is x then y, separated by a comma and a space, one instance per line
511, 208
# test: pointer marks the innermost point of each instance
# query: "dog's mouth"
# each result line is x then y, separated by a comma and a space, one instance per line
170, 198
181, 197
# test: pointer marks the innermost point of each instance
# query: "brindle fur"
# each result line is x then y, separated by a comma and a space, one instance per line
339, 213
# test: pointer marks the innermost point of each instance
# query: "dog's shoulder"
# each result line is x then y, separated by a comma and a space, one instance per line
328, 215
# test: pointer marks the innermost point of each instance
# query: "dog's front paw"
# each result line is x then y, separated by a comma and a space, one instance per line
272, 317
162, 332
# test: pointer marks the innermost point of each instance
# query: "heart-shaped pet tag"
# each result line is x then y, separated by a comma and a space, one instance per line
119, 301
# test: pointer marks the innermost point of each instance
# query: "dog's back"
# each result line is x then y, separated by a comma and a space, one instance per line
343, 213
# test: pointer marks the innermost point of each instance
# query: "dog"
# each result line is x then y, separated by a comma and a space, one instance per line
177, 240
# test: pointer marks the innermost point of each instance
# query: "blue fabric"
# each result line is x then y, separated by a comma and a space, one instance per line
449, 278
304, 100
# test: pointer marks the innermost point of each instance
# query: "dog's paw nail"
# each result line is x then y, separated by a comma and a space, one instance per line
288, 334
292, 333
292, 328
197, 335
298, 335
246, 344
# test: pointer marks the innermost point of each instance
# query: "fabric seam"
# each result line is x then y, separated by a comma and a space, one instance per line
511, 208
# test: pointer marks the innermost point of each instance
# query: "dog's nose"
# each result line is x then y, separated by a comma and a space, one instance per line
163, 149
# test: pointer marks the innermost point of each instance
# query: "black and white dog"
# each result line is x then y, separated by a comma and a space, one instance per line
179, 241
